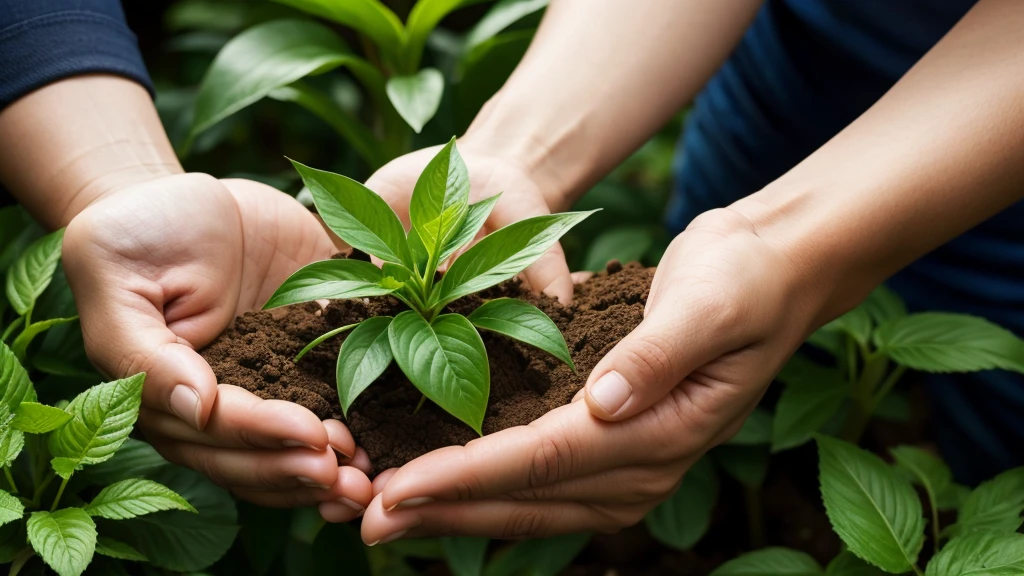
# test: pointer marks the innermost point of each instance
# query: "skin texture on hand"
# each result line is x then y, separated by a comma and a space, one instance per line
722, 318
158, 270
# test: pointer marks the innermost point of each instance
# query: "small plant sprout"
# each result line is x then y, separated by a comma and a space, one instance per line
442, 354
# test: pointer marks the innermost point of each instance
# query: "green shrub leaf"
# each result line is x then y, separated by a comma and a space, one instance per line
856, 324
625, 244
994, 505
982, 553
501, 16
883, 305
505, 253
771, 562
471, 225
11, 443
757, 429
944, 342
32, 272
332, 280
683, 519
264, 58
102, 418
539, 557
423, 18
440, 199
416, 97
117, 549
65, 467
812, 395
135, 459
747, 464
925, 470
364, 356
847, 564
135, 497
357, 214
15, 386
446, 361
524, 322
369, 17
64, 539
465, 555
871, 507
11, 508
36, 418
20, 344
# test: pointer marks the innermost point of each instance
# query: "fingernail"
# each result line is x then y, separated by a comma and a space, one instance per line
411, 503
297, 444
390, 538
611, 391
186, 405
343, 455
310, 482
340, 511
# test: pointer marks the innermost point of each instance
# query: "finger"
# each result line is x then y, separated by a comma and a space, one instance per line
630, 485
581, 276
361, 461
492, 518
340, 438
382, 479
354, 494
241, 419
550, 275
259, 469
349, 495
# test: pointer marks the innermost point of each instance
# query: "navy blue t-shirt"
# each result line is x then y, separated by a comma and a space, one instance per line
803, 71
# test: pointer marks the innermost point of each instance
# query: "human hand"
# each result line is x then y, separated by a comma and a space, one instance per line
724, 314
489, 174
158, 270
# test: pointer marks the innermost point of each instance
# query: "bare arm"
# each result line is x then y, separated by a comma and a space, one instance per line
600, 77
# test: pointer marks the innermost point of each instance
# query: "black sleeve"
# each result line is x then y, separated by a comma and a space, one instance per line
42, 41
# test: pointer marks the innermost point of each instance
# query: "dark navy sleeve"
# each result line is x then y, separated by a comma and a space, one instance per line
42, 41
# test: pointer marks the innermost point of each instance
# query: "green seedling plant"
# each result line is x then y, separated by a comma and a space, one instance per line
874, 345
442, 354
874, 509
42, 447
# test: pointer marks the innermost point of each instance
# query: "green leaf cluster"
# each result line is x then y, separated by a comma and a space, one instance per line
442, 354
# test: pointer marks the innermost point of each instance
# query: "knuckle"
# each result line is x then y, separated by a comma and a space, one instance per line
553, 460
648, 355
204, 464
525, 523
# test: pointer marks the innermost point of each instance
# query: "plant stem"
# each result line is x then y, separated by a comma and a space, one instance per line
20, 560
851, 358
321, 338
935, 523
423, 399
60, 492
862, 395
10, 480
38, 493
887, 386
755, 516
11, 328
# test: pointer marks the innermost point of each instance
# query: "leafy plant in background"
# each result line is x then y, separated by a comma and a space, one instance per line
442, 354
875, 510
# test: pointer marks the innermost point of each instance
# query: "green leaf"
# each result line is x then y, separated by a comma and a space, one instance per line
339, 543
64, 539
15, 386
32, 271
446, 361
330, 279
847, 564
871, 507
625, 244
994, 505
505, 253
117, 549
11, 508
178, 540
423, 18
264, 58
36, 418
682, 520
953, 497
369, 17
65, 467
364, 356
944, 342
135, 497
470, 226
883, 305
135, 459
757, 429
524, 322
11, 443
502, 15
416, 97
465, 555
856, 324
102, 418
12, 541
747, 464
982, 553
21, 343
440, 199
540, 557
924, 470
773, 561
357, 214
813, 394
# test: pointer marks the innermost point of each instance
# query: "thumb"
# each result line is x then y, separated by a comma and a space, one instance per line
648, 363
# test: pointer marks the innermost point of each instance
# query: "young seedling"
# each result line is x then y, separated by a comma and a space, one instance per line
441, 354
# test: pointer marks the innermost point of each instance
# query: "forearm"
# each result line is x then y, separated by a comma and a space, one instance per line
75, 140
942, 151
599, 79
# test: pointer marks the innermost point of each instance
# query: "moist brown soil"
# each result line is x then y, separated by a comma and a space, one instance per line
256, 354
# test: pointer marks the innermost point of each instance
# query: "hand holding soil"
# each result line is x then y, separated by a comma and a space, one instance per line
159, 269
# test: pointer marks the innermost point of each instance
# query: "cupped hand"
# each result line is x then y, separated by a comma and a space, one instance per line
158, 270
521, 198
724, 313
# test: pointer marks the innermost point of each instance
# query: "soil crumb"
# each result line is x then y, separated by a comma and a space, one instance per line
256, 354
